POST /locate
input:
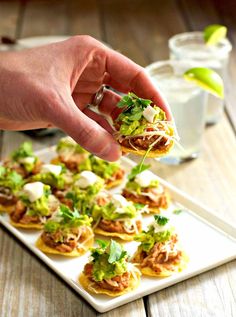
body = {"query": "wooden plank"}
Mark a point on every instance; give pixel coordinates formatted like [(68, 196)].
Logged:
[(140, 29), (198, 15), (44, 17), (226, 12), (29, 288), (118, 32), (84, 18), (9, 14), (209, 294), (61, 18), (134, 309)]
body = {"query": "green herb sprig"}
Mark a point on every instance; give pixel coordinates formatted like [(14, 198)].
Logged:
[(134, 107), (133, 100), (68, 214), (161, 220), (112, 248), (137, 170), (116, 252)]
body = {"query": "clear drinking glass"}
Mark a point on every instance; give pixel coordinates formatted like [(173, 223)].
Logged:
[(191, 46), (188, 106)]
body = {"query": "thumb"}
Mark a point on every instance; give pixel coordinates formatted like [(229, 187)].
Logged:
[(85, 131)]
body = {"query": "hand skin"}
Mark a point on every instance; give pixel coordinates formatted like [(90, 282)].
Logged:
[(52, 85)]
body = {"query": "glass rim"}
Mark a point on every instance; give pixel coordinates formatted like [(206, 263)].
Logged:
[(225, 47)]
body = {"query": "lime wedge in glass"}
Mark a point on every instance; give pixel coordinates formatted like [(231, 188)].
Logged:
[(214, 33), (207, 79)]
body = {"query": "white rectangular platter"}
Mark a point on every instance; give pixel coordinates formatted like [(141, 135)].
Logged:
[(208, 240)]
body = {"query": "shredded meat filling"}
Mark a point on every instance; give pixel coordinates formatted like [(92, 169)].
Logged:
[(19, 215), (102, 200), (143, 143), (6, 197), (18, 212), (73, 161), (158, 200), (159, 258), (115, 284), (118, 226), (118, 175), (19, 168), (61, 197), (64, 243)]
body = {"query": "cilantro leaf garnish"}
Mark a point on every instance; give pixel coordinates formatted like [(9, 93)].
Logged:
[(96, 253), (109, 260), (139, 206), (102, 243), (112, 249), (125, 101), (132, 100), (133, 108), (131, 118), (161, 220), (116, 252), (67, 219), (137, 170), (68, 214)]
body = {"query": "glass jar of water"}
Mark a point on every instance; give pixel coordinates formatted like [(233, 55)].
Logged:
[(191, 46), (188, 105)]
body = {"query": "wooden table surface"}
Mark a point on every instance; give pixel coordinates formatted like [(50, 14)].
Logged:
[(139, 29)]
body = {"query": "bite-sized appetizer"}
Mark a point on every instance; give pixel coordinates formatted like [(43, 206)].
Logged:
[(57, 176), (81, 195), (111, 172), (67, 233), (159, 253), (109, 271), (34, 206), (24, 161), (114, 216), (10, 183), (70, 153), (142, 128), (143, 188)]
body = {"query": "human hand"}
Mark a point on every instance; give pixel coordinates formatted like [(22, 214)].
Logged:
[(53, 84)]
